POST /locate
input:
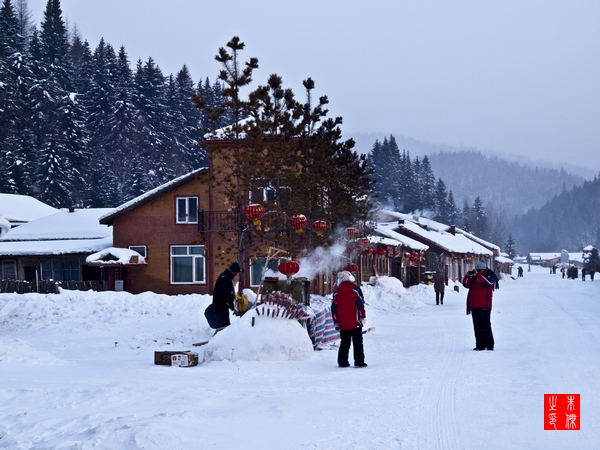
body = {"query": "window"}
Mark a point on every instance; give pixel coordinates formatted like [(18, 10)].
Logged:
[(270, 195), (257, 266), (61, 271), (188, 264), (187, 209), (9, 270), (141, 249)]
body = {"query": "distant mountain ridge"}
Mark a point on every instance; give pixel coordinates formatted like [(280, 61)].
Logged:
[(512, 187), (365, 141)]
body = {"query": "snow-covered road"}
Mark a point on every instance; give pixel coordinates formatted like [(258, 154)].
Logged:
[(77, 372)]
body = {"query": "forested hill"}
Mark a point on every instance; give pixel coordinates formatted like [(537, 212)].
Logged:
[(509, 186), (571, 221)]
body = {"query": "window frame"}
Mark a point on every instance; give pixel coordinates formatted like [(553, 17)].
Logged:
[(191, 217), (145, 252), (13, 264), (196, 258), (273, 264)]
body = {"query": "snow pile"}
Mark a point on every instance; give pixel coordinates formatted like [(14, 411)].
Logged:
[(388, 293), (260, 338)]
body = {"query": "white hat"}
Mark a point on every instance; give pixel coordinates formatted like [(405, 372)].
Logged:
[(344, 276)]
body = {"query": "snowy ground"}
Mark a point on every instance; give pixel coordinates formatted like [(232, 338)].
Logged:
[(77, 372)]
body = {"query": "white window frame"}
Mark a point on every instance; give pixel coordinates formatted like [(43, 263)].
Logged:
[(193, 252), (190, 213)]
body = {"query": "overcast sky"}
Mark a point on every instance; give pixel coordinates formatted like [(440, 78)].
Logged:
[(511, 76)]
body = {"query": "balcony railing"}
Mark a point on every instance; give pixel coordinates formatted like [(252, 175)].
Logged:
[(227, 221)]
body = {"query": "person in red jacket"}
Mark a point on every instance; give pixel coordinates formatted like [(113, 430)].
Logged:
[(481, 283), (348, 312)]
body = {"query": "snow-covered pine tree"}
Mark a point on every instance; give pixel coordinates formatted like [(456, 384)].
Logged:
[(441, 201), (375, 160), (11, 103), (466, 217), (453, 210), (59, 117), (510, 247), (592, 260), (150, 140), (480, 223), (428, 186), (409, 185)]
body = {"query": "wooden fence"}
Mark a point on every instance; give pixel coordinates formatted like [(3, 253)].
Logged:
[(50, 287)]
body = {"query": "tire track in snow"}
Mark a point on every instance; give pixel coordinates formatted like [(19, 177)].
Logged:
[(438, 402)]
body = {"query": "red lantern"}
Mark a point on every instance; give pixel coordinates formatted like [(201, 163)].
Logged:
[(298, 222), (364, 242), (319, 227), (351, 268), (255, 212), (381, 251), (288, 268), (351, 233)]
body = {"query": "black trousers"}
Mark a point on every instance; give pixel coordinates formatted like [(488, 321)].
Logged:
[(355, 336), (484, 339), (439, 297)]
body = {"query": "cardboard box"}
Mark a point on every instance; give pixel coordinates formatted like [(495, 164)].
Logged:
[(183, 358)]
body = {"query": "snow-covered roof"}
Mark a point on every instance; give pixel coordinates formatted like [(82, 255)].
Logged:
[(63, 232), (4, 226), (18, 209), (440, 227), (454, 243), (116, 256), (478, 239), (225, 132), (58, 247), (503, 260), (544, 256), (387, 229), (147, 196)]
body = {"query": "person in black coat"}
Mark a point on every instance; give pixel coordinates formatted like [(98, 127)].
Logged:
[(224, 296)]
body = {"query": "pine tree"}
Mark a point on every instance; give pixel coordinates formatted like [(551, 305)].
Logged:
[(466, 217), (286, 146), (384, 160), (454, 213), (407, 185), (479, 224), (511, 248), (592, 260), (150, 140), (11, 104), (441, 201), (236, 177), (58, 114), (55, 44), (428, 186)]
